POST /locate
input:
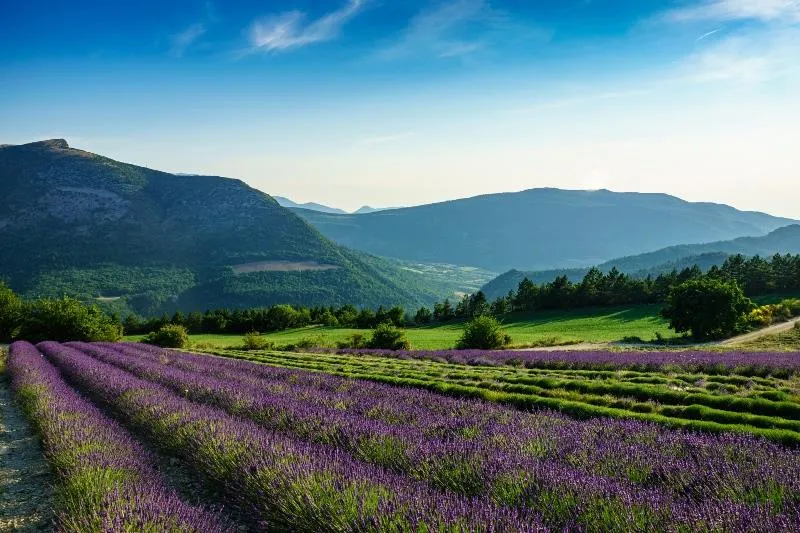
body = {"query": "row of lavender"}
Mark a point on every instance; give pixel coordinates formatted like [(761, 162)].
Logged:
[(785, 363), (107, 480), (282, 482), (620, 474)]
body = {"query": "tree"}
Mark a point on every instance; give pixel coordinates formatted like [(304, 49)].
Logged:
[(707, 308), (478, 305), (423, 316), (347, 316), (66, 319), (397, 316), (194, 322), (442, 312), (527, 293), (483, 333), (328, 319), (388, 337), (499, 306), (131, 325), (10, 313), (365, 319)]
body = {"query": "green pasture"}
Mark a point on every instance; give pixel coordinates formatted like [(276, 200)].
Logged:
[(548, 328)]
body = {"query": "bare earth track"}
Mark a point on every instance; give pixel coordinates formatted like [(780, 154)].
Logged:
[(26, 489), (755, 335)]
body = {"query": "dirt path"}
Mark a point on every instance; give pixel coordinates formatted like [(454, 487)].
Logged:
[(755, 335), (26, 489)]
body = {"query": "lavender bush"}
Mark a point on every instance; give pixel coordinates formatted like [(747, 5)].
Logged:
[(622, 474), (107, 480)]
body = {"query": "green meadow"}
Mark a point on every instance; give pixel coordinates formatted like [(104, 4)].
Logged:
[(540, 328)]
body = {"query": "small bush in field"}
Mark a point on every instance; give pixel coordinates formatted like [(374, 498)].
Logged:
[(255, 341), (483, 333), (355, 341), (169, 336), (388, 337)]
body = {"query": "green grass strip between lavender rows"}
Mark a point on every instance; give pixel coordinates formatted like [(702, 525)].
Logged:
[(753, 411), (573, 408)]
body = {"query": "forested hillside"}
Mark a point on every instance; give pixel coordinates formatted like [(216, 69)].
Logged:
[(135, 238), (785, 240)]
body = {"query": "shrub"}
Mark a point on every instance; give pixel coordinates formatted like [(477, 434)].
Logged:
[(761, 316), (356, 341), (255, 341), (793, 306), (388, 337), (10, 313), (306, 343), (483, 333), (169, 336), (66, 319)]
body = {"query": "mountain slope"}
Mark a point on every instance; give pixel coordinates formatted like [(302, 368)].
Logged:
[(87, 225), (784, 240), (313, 206), (539, 228)]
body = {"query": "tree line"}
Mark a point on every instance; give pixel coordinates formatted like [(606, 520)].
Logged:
[(755, 275), (269, 319)]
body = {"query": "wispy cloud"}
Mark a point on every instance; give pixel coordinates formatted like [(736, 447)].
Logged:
[(736, 10), (183, 40), (456, 28), (292, 29), (745, 58), (382, 139), (708, 34)]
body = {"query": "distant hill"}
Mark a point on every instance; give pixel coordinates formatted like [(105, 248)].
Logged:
[(364, 209), (135, 238), (313, 206), (782, 240), (539, 228)]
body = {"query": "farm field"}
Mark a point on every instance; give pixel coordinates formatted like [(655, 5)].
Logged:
[(555, 327), (299, 450), (678, 389)]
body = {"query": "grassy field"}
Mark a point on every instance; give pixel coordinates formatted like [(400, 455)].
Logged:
[(767, 405), (553, 327)]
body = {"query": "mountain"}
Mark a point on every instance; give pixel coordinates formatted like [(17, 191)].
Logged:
[(135, 238), (364, 209), (539, 228), (785, 240), (285, 202)]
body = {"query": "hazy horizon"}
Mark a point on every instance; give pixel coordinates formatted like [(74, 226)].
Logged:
[(363, 102)]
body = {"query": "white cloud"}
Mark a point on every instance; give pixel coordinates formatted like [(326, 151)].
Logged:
[(183, 40), (292, 29), (457, 28), (787, 11)]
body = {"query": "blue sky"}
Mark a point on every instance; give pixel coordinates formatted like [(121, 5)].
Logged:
[(388, 102)]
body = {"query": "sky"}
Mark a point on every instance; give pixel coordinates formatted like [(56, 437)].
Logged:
[(405, 102)]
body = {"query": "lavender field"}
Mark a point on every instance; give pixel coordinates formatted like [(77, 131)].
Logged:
[(294, 449), (753, 393)]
